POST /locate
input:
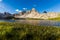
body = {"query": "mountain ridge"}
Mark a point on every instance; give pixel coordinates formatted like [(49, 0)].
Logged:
[(34, 14)]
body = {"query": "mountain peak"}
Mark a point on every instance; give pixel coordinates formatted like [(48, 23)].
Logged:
[(33, 9)]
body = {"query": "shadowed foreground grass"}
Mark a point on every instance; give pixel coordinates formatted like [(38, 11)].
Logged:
[(17, 31)]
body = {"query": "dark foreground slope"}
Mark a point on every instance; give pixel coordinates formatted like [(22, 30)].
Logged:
[(17, 31)]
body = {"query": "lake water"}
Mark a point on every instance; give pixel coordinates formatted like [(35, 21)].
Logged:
[(40, 22), (3, 20), (36, 22)]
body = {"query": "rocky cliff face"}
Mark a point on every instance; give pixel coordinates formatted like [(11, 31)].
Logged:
[(34, 14), (5, 15)]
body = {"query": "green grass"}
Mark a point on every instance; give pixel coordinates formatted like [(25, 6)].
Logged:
[(18, 31), (57, 19)]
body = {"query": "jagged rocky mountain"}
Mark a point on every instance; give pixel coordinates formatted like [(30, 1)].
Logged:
[(34, 14), (29, 14), (6, 15)]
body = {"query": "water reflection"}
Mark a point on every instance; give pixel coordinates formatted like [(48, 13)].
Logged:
[(40, 22), (5, 20), (36, 22), (32, 22)]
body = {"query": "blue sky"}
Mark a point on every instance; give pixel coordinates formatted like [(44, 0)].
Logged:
[(14, 6)]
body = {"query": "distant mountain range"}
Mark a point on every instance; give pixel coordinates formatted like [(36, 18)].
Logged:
[(34, 14), (6, 15), (30, 14)]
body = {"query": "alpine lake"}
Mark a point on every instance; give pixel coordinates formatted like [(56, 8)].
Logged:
[(34, 22)]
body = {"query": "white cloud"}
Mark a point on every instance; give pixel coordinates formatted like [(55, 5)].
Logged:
[(17, 10), (24, 8), (1, 0), (20, 10)]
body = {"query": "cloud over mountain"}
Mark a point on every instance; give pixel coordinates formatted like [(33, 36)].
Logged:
[(17, 10)]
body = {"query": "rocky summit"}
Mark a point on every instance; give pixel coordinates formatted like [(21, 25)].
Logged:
[(34, 14)]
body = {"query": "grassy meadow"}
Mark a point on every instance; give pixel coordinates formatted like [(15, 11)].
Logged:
[(18, 31), (56, 19)]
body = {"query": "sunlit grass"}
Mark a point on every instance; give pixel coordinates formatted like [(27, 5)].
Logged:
[(56, 19)]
